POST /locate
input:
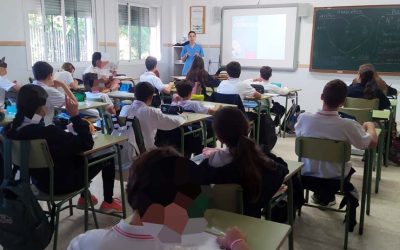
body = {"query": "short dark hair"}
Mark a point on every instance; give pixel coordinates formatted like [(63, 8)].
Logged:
[(95, 57), (184, 88), (192, 32), (143, 91), (234, 69), (266, 72), (160, 176), (67, 66), (334, 93), (88, 80), (3, 63), (151, 62), (41, 70)]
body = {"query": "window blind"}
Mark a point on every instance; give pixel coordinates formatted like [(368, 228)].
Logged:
[(52, 7), (123, 14), (83, 8), (140, 16)]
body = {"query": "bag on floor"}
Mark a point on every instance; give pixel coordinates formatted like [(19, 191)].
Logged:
[(23, 223), (291, 118), (268, 136)]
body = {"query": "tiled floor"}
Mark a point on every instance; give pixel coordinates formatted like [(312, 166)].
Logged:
[(315, 229)]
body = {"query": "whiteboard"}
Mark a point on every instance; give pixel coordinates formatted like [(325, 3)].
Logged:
[(260, 35)]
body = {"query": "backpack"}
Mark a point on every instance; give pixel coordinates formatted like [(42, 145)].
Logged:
[(291, 118), (23, 223), (267, 132)]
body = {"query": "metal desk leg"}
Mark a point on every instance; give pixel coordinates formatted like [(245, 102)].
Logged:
[(121, 180), (290, 211), (284, 117), (86, 177), (388, 138), (379, 162), (258, 122), (364, 191), (371, 160), (182, 140)]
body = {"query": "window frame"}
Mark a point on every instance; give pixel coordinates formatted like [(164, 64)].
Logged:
[(158, 30), (77, 64)]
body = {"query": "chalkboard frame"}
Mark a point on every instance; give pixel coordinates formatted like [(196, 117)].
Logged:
[(316, 9)]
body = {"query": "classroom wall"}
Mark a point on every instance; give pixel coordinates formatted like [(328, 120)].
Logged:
[(311, 83)]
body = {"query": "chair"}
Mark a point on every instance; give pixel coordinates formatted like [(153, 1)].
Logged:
[(259, 88), (227, 197), (339, 152), (361, 115), (138, 135), (361, 103), (35, 154)]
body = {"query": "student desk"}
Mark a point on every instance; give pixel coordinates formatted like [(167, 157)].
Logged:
[(126, 78), (123, 95), (178, 78), (212, 105), (190, 119), (293, 94), (101, 142), (261, 234), (386, 116), (259, 105), (100, 106)]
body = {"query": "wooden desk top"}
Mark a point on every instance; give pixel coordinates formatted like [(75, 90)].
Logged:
[(381, 114), (178, 77), (263, 97), (126, 78), (213, 104), (292, 90), (121, 95), (294, 167), (261, 234), (91, 105), (193, 117), (102, 141)]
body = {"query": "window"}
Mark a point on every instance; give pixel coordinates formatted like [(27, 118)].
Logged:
[(138, 32), (61, 30)]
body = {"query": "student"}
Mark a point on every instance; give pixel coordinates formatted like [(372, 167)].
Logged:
[(386, 89), (65, 147), (263, 80), (5, 84), (150, 118), (43, 73), (184, 89), (190, 51), (105, 79), (66, 76), (368, 89), (198, 74), (150, 76), (234, 85), (241, 161), (92, 93), (320, 176), (153, 182)]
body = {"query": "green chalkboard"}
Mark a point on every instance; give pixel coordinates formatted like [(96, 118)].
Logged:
[(346, 37)]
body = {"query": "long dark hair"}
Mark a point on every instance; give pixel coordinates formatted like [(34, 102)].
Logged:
[(30, 98), (232, 128), (367, 80), (197, 73)]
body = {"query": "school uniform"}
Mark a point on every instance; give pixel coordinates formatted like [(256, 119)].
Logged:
[(188, 49), (5, 85), (357, 91), (55, 99), (150, 120), (96, 70), (151, 78), (270, 88), (65, 77), (193, 106), (236, 86)]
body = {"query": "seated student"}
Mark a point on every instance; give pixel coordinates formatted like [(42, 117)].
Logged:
[(322, 177), (92, 92), (65, 147), (234, 85), (105, 81), (66, 75), (5, 84), (263, 80), (153, 182), (242, 161), (386, 89), (198, 74), (151, 77), (184, 89), (150, 118), (43, 73), (368, 88)]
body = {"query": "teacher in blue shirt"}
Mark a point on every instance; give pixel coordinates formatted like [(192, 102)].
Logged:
[(190, 51)]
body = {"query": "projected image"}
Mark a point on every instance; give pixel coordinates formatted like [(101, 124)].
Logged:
[(259, 37)]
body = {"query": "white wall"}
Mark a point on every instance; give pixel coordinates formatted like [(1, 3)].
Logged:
[(311, 83)]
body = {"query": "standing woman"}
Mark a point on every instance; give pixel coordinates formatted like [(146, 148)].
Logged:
[(190, 51)]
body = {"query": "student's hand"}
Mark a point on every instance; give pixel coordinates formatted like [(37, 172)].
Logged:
[(368, 125), (232, 235), (71, 106), (15, 82), (176, 98)]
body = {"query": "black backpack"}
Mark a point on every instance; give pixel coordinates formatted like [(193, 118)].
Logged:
[(291, 118), (23, 223), (268, 136)]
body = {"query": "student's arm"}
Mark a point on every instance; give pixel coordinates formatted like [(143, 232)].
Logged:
[(165, 122), (233, 239), (67, 91), (16, 87), (257, 95), (370, 129), (212, 82), (184, 54), (166, 88)]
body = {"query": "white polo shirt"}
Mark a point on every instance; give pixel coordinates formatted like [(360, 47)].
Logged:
[(96, 70), (65, 77), (236, 86), (5, 85), (55, 99), (270, 88), (329, 125), (190, 105), (151, 78), (150, 120)]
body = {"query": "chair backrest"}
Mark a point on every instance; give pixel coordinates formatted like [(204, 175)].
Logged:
[(259, 88), (361, 115), (228, 99), (361, 103), (32, 154), (108, 123), (324, 150), (138, 135), (227, 197)]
